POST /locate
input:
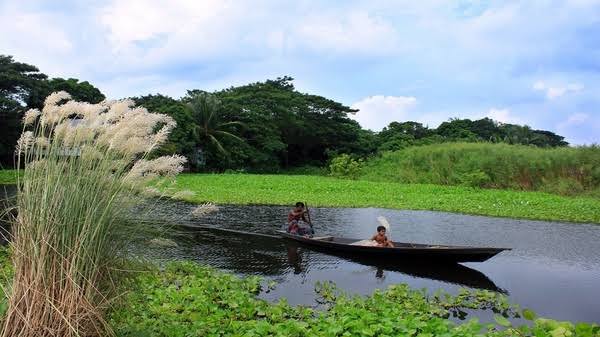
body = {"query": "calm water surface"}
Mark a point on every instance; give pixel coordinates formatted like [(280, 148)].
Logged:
[(554, 268)]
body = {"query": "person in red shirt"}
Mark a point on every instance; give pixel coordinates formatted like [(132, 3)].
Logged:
[(297, 219)]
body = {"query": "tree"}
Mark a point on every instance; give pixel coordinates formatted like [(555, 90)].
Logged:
[(210, 128), (80, 91), (19, 84), (287, 128)]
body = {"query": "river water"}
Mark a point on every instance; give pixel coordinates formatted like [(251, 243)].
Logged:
[(553, 268)]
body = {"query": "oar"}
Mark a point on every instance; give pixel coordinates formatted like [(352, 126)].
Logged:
[(309, 221)]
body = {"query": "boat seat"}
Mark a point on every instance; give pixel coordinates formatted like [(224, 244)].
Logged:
[(323, 238)]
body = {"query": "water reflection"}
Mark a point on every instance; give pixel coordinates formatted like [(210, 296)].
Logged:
[(450, 273)]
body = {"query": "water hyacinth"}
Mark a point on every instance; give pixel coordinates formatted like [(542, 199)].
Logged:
[(82, 166)]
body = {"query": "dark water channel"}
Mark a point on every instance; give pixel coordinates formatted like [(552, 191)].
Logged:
[(553, 268)]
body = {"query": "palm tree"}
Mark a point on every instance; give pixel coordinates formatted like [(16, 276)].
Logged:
[(209, 127)]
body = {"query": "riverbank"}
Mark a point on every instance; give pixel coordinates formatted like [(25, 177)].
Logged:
[(331, 192)]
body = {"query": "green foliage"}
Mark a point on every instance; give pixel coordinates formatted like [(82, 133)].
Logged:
[(80, 91), (186, 299), (286, 128), (189, 300), (20, 83), (344, 166), (326, 191), (8, 177), (6, 274), (488, 130), (400, 135), (563, 170), (306, 170), (210, 129)]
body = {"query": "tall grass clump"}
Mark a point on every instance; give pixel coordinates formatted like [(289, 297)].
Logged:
[(81, 163), (563, 170)]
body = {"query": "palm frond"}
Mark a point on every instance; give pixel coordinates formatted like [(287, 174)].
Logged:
[(232, 123), (227, 134), (217, 143)]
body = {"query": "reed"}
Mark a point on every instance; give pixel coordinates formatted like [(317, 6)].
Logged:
[(564, 170), (82, 164)]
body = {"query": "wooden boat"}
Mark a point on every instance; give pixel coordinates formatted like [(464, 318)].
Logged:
[(402, 250), (454, 273)]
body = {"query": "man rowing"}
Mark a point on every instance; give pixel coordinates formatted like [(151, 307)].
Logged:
[(297, 222)]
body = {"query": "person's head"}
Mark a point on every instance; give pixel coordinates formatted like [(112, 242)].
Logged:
[(299, 206), (381, 230)]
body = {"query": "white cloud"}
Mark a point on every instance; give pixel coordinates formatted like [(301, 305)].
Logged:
[(503, 116), (553, 92), (376, 112), (356, 31), (34, 37), (580, 128), (157, 32), (577, 118)]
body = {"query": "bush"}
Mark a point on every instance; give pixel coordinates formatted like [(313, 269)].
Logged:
[(344, 166)]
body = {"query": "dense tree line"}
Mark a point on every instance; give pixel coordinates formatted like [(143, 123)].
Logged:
[(260, 127), (399, 135)]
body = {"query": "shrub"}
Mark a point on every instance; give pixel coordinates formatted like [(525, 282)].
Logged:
[(344, 166)]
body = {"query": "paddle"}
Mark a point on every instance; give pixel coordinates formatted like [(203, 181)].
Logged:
[(309, 221)]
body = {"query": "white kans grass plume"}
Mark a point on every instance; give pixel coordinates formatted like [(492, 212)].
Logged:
[(152, 191), (82, 166), (204, 209), (54, 98), (31, 116), (25, 142), (160, 167), (185, 194)]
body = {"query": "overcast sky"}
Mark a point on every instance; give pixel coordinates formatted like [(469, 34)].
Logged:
[(530, 62)]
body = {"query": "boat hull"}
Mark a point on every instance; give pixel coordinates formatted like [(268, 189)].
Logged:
[(401, 251)]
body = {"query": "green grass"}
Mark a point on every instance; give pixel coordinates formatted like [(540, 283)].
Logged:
[(8, 177), (332, 192)]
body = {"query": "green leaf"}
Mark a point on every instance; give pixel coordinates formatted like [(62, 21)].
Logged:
[(529, 315), (502, 321)]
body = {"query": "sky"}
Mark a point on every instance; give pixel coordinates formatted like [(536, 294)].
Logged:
[(529, 62)]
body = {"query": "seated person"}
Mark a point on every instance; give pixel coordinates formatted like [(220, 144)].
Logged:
[(381, 238), (297, 223)]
